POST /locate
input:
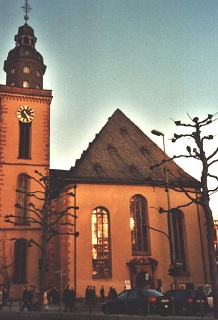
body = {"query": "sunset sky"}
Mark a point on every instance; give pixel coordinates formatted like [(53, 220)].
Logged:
[(155, 60)]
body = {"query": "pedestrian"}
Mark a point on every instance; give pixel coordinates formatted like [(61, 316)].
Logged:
[(112, 294), (90, 294), (67, 297), (45, 300), (72, 300), (31, 298), (26, 299), (102, 296), (1, 298), (87, 295), (35, 298), (4, 296), (54, 296), (93, 295)]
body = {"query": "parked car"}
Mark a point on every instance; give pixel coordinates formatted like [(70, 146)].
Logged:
[(136, 301), (210, 300), (187, 302)]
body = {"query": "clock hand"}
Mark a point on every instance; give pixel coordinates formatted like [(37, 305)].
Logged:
[(27, 116)]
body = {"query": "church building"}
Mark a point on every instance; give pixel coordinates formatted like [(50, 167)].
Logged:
[(123, 240)]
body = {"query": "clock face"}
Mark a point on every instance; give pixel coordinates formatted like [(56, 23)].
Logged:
[(25, 114)]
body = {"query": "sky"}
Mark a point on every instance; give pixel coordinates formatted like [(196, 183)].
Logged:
[(155, 60)]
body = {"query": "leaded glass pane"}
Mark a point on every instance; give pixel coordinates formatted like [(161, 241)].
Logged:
[(101, 255)]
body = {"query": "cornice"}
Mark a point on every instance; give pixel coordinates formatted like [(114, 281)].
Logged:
[(16, 93), (20, 97)]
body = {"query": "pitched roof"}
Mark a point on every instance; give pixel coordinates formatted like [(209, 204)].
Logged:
[(122, 153)]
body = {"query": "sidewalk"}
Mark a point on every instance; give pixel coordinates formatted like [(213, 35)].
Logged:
[(83, 312), (81, 307)]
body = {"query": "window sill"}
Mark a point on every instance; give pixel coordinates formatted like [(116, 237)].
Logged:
[(98, 276)]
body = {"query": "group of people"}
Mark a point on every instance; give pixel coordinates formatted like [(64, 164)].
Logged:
[(91, 297), (112, 294), (69, 298), (52, 296), (30, 298)]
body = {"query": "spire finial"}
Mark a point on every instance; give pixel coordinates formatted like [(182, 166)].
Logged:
[(26, 8)]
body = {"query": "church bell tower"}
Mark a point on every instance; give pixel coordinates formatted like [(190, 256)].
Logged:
[(25, 144)]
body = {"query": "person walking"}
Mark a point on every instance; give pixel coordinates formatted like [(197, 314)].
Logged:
[(67, 298), (72, 300), (87, 295), (102, 295), (45, 300), (26, 299), (93, 296), (35, 298)]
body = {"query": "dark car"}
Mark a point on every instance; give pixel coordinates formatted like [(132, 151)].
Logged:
[(136, 301), (187, 302)]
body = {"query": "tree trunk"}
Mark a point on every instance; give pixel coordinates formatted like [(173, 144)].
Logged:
[(212, 256), (42, 280)]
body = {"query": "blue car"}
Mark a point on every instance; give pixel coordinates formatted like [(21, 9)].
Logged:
[(136, 301)]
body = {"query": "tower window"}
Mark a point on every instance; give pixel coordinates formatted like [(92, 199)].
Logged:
[(26, 40), (22, 198), (26, 84), (38, 73), (12, 84), (20, 257), (12, 70), (26, 69), (37, 86), (24, 143)]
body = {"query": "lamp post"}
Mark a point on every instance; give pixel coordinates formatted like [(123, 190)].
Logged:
[(169, 213), (75, 236)]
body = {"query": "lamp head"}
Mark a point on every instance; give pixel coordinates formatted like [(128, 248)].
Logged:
[(157, 133)]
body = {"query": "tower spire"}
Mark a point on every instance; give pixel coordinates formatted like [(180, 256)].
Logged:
[(26, 8)]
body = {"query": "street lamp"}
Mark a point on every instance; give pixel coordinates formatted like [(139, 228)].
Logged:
[(169, 213)]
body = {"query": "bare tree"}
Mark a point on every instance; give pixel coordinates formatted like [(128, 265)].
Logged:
[(197, 151), (6, 264), (39, 212)]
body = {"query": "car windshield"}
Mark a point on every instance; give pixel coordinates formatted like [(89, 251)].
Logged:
[(151, 293), (122, 296)]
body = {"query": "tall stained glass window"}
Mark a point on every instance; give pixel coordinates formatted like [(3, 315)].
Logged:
[(101, 249), (138, 221)]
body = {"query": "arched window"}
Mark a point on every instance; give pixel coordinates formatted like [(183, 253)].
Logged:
[(22, 198), (138, 221), (179, 239), (26, 69), (20, 261), (26, 40), (101, 249), (26, 84)]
